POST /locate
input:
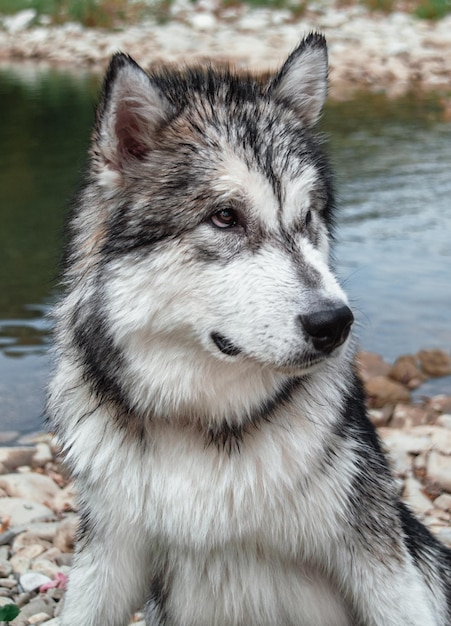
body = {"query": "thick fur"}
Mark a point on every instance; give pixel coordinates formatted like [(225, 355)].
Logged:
[(228, 474)]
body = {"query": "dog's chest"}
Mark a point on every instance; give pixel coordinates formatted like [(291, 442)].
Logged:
[(270, 491)]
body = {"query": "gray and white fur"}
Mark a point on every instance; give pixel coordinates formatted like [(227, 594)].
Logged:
[(204, 394)]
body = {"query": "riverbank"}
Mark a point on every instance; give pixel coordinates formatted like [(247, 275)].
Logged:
[(38, 513), (395, 53)]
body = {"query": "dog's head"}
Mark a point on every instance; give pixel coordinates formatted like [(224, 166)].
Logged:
[(208, 214)]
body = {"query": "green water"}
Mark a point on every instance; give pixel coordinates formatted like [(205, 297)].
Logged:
[(393, 253)]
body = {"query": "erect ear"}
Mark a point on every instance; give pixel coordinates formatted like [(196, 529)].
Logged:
[(130, 111), (302, 81)]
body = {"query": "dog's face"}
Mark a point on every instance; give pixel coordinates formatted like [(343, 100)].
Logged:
[(215, 214)]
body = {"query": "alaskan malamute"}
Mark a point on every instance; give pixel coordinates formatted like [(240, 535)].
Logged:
[(204, 393)]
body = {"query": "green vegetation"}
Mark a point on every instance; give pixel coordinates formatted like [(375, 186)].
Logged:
[(108, 13), (8, 612), (89, 12)]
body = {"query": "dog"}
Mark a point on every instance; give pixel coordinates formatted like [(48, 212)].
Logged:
[(204, 393)]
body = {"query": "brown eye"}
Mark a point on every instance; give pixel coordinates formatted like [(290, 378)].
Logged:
[(226, 218)]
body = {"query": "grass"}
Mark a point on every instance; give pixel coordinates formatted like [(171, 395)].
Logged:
[(107, 13)]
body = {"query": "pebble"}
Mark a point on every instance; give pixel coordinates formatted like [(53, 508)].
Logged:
[(33, 580)]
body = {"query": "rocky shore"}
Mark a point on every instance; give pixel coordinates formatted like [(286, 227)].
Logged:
[(394, 53), (38, 512)]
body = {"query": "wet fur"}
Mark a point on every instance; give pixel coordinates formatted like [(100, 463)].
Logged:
[(234, 481)]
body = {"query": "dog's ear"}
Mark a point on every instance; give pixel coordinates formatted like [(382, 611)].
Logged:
[(130, 112), (302, 81)]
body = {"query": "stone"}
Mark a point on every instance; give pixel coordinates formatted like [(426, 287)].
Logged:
[(203, 21), (32, 551), (12, 458), (31, 486), (64, 500), (5, 568), (19, 21), (45, 567), (443, 502), (370, 365), (44, 530), (445, 421), (405, 370), (408, 415), (42, 455), (380, 417), (441, 403), (5, 601), (435, 362), (439, 470), (415, 498), (40, 604), (23, 511), (31, 581), (65, 536), (20, 564), (39, 618), (381, 391)]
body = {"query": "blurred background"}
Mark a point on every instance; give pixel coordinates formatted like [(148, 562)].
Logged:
[(387, 123)]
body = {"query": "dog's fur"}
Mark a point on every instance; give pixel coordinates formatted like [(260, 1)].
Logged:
[(204, 393)]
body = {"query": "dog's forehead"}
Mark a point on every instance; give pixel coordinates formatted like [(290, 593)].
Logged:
[(277, 193)]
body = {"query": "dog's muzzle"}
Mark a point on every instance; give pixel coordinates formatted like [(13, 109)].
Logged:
[(327, 328)]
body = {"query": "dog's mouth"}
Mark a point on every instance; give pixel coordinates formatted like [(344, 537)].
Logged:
[(298, 367), (225, 345)]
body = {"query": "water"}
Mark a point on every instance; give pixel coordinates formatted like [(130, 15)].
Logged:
[(392, 162)]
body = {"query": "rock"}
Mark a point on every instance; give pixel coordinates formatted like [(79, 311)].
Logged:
[(445, 421), (39, 618), (370, 365), (40, 604), (443, 502), (65, 536), (33, 580), (44, 530), (408, 415), (380, 417), (32, 551), (441, 403), (23, 511), (12, 458), (406, 371), (5, 568), (45, 567), (20, 564), (31, 486), (19, 21), (439, 470), (203, 21), (5, 601), (435, 362), (414, 496), (42, 455), (64, 500), (381, 391)]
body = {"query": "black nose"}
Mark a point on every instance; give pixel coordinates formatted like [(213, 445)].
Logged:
[(328, 328)]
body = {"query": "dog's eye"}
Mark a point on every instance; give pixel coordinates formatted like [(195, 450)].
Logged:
[(226, 218), (308, 218)]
